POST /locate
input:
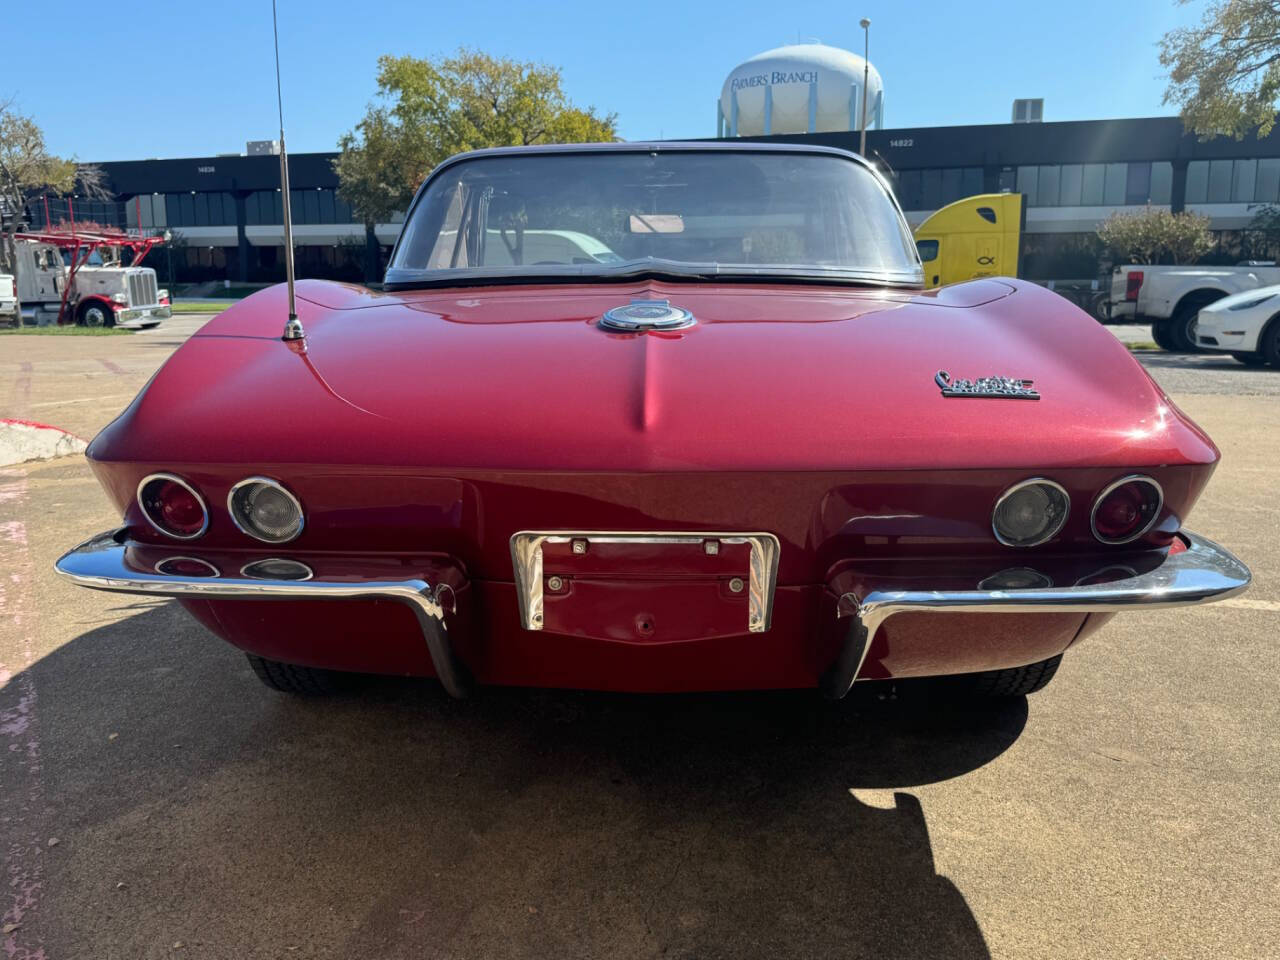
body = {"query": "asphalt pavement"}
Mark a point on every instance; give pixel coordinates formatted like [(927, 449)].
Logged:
[(157, 801)]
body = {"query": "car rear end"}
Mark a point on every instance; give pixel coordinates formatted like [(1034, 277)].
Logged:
[(654, 520), (1126, 285)]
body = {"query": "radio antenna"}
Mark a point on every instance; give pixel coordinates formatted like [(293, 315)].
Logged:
[(293, 326)]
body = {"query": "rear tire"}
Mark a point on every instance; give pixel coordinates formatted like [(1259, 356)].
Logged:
[(1011, 682), (292, 678), (1162, 335)]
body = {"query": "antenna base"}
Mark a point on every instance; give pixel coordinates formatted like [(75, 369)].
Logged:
[(293, 330)]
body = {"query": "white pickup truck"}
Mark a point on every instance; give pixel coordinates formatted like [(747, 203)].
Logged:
[(8, 301), (1169, 298)]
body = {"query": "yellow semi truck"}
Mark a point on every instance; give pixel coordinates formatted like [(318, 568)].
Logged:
[(979, 236)]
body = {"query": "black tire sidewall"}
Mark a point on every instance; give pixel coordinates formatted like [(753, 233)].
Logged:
[(1269, 344), (1182, 326)]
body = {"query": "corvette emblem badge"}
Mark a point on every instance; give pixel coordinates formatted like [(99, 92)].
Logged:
[(999, 388)]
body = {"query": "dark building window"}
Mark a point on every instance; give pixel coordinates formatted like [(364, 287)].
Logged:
[(1244, 178), (1093, 178), (1137, 188), (1096, 184), (924, 189), (1162, 182), (1220, 181), (908, 189), (930, 189), (1233, 181), (1050, 180), (263, 208), (214, 209), (1028, 183), (1266, 186), (1072, 182)]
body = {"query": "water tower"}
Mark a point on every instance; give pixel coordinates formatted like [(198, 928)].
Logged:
[(802, 88)]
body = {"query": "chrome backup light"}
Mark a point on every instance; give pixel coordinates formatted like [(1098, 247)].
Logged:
[(1126, 509), (265, 510), (172, 506), (186, 567), (276, 568), (1030, 512), (1016, 578)]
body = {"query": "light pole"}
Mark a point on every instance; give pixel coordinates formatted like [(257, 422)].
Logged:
[(866, 72)]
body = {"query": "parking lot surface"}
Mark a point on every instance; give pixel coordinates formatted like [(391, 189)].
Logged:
[(157, 801)]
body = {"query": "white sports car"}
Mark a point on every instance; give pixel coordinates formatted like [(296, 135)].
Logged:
[(1245, 325)]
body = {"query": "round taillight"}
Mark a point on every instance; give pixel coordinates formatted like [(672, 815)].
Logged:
[(276, 568), (265, 510), (172, 506), (1127, 509), (186, 567), (1030, 512)]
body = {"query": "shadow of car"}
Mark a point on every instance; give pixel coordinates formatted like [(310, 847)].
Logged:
[(397, 821)]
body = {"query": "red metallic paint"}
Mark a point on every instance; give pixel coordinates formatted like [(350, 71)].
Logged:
[(426, 427)]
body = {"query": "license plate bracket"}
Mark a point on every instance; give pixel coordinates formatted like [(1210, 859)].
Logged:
[(645, 557)]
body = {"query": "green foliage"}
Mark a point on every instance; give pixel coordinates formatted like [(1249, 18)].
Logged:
[(430, 109), (1152, 235), (1224, 73), (28, 168), (1267, 222), (1260, 240)]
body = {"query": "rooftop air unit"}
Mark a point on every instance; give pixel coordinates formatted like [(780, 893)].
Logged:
[(1028, 111)]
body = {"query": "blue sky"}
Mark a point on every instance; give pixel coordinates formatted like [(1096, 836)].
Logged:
[(203, 80)]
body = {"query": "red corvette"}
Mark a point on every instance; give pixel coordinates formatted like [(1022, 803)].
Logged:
[(656, 418)]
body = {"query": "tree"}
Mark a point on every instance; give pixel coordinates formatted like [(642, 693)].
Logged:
[(431, 109), (1224, 73), (1263, 233), (28, 168), (1153, 235)]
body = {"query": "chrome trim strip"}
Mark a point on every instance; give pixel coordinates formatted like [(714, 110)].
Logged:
[(762, 574), (174, 478), (231, 509), (99, 564), (1203, 573), (1014, 489), (1132, 478)]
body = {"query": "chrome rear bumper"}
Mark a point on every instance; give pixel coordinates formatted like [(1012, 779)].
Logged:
[(100, 564), (1202, 573)]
